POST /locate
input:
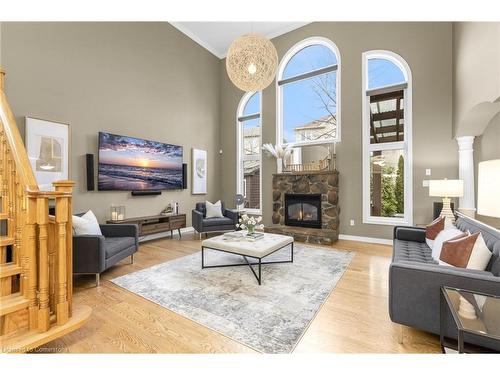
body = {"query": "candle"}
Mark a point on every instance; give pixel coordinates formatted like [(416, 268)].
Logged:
[(114, 215), (120, 217)]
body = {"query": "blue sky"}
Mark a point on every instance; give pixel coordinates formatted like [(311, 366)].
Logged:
[(302, 104)]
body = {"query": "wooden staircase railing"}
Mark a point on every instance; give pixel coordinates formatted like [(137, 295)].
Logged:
[(35, 249)]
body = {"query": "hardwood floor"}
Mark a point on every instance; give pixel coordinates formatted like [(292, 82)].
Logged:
[(354, 318)]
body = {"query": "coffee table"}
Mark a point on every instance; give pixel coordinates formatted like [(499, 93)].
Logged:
[(256, 249)]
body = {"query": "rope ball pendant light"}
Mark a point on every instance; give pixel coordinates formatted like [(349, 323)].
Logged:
[(251, 62)]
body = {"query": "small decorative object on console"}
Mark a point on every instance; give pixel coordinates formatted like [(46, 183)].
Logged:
[(250, 223), (117, 212), (167, 210)]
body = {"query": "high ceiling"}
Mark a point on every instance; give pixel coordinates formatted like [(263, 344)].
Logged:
[(217, 36)]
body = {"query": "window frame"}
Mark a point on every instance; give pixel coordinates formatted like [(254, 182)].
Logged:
[(240, 119), (280, 83), (405, 145)]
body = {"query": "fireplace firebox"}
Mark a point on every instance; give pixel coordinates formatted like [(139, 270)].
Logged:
[(303, 210)]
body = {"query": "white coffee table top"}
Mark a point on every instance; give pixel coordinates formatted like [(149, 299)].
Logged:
[(254, 248)]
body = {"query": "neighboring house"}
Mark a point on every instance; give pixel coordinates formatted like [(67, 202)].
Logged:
[(323, 128), (317, 130)]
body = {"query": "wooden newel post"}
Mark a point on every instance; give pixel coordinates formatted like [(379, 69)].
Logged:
[(42, 219), (64, 243)]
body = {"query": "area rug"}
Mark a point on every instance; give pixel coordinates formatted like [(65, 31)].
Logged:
[(270, 318)]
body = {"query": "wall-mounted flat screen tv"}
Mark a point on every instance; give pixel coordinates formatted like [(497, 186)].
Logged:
[(127, 163)]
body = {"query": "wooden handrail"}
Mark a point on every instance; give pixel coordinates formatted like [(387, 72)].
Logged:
[(19, 155)]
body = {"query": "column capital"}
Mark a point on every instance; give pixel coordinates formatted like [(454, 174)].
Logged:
[(465, 142)]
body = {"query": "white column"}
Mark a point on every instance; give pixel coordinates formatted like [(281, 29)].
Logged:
[(466, 173)]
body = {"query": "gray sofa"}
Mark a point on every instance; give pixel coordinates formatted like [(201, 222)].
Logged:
[(94, 254), (202, 224), (415, 279)]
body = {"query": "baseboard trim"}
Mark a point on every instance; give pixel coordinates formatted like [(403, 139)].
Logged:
[(381, 241), (156, 236), (346, 237)]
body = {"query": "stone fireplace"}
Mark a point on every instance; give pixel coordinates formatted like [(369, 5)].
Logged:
[(298, 197)]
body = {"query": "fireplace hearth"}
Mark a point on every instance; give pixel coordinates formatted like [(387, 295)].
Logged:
[(303, 210)]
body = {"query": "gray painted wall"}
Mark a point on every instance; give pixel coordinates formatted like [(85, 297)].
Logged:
[(476, 71), (149, 80), (476, 79), (427, 47), (144, 80)]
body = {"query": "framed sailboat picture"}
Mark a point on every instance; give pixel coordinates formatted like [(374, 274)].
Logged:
[(47, 145)]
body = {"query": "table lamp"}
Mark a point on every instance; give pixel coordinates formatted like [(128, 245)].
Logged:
[(446, 189), (488, 195)]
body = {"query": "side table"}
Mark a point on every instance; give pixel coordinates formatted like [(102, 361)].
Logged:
[(475, 314)]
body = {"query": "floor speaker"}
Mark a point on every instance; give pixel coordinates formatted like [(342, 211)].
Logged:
[(90, 171), (184, 176)]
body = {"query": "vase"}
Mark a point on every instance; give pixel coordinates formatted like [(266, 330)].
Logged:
[(279, 165), (250, 229)]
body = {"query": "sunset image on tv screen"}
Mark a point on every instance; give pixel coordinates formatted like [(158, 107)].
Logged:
[(127, 163)]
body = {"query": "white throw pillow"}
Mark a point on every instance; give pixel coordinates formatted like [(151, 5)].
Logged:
[(213, 209), (480, 255), (444, 235), (86, 224)]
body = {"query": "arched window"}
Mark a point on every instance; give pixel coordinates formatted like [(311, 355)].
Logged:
[(387, 133), (249, 182), (308, 94)]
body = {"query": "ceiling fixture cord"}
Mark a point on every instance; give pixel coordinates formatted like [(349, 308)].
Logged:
[(251, 62)]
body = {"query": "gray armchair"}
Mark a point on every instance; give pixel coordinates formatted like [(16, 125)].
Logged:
[(217, 224), (93, 254)]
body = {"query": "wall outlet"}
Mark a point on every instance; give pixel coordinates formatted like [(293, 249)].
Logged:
[(352, 222), (425, 183), (427, 172)]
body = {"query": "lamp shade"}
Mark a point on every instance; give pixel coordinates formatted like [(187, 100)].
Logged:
[(446, 188), (488, 195)]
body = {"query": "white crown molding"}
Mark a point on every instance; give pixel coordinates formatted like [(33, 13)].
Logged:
[(222, 54), (292, 26), (279, 32), (191, 35)]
